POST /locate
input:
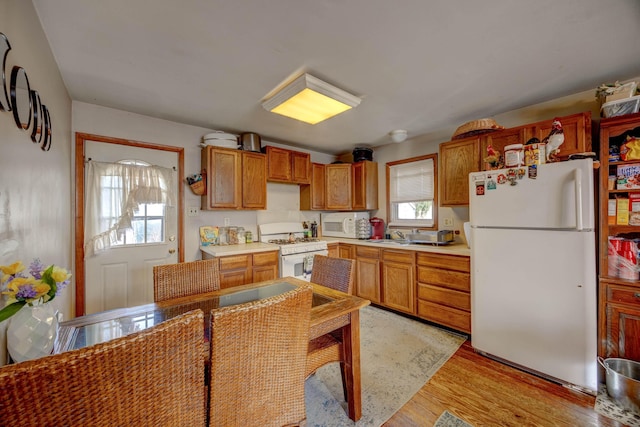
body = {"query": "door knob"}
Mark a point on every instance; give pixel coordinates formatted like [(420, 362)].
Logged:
[(172, 251), (172, 238)]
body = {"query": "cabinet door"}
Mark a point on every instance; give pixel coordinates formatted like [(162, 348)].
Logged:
[(347, 251), (312, 196), (399, 286), (501, 139), (368, 279), (338, 186), (254, 180), (623, 331), (301, 165), (333, 250), (457, 160), (278, 164), (577, 133), (223, 169), (364, 183)]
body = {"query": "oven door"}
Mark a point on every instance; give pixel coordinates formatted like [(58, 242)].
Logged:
[(299, 265)]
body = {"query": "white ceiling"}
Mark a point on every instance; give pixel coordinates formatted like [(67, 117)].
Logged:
[(419, 65)]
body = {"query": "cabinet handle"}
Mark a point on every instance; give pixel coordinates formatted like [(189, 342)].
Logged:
[(636, 295)]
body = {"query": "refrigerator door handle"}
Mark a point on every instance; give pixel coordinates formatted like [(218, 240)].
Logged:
[(578, 187)]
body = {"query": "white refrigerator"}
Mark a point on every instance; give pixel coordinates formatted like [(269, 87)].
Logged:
[(533, 269)]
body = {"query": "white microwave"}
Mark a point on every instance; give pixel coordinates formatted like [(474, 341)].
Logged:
[(341, 224)]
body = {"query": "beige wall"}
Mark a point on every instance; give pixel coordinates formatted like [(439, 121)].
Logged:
[(35, 186)]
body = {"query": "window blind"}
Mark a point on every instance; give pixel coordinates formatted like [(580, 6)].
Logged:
[(410, 182)]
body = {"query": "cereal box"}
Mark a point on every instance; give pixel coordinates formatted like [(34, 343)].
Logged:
[(628, 176)]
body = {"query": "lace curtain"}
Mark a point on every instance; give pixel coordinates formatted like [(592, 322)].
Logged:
[(113, 193)]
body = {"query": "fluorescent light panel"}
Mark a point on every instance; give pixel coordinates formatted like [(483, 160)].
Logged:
[(310, 100)]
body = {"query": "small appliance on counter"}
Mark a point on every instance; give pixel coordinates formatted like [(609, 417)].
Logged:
[(440, 237), (341, 224), (377, 228), (363, 229)]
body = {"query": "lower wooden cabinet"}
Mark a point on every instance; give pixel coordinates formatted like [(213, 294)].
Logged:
[(444, 290), (236, 270), (433, 286), (398, 280), (333, 250), (368, 273), (619, 320)]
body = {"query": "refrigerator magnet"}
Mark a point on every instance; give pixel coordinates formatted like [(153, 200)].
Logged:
[(502, 178), (491, 183), (533, 171), (479, 188), (521, 173)]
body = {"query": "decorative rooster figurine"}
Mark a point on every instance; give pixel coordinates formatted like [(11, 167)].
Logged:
[(493, 157), (554, 140)]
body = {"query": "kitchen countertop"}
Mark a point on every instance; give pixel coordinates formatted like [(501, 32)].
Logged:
[(225, 250), (450, 249), (247, 248)]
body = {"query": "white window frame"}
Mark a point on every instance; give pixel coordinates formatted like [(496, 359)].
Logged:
[(420, 190)]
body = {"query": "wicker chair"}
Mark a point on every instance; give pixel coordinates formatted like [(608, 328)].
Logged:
[(335, 273), (154, 377), (258, 359), (185, 279)]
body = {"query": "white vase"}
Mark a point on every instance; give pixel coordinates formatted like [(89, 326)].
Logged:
[(32, 332)]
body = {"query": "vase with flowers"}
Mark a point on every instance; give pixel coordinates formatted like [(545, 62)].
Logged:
[(33, 326)]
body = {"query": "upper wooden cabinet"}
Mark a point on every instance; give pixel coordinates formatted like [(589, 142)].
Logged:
[(577, 133), (287, 166), (364, 183), (338, 186), (301, 167), (313, 196), (235, 179), (460, 157), (254, 180), (341, 186)]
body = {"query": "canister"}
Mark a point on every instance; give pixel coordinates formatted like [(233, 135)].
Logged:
[(534, 154), (513, 156)]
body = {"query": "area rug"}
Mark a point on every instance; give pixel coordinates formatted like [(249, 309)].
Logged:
[(447, 419), (608, 407), (398, 356)]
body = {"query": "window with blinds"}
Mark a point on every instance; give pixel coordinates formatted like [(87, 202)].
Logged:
[(412, 192)]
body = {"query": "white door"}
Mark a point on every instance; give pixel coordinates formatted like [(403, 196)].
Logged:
[(123, 275)]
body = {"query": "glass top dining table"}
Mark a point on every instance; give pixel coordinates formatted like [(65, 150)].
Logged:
[(331, 310)]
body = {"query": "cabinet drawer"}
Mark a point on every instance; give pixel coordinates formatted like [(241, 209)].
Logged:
[(265, 258), (234, 262), (447, 316), (448, 262), (623, 294), (448, 297), (367, 252), (449, 279), (405, 257)]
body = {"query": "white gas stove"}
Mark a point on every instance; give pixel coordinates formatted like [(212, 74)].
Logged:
[(296, 250)]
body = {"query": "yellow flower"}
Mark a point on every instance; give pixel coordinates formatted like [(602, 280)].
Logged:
[(11, 270), (60, 274), (25, 288)]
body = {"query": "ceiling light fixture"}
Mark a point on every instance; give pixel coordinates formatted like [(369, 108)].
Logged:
[(398, 135), (310, 100)]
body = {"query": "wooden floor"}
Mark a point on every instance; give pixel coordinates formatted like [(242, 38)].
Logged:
[(488, 393)]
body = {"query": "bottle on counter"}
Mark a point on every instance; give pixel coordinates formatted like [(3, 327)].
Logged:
[(248, 237), (314, 229)]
